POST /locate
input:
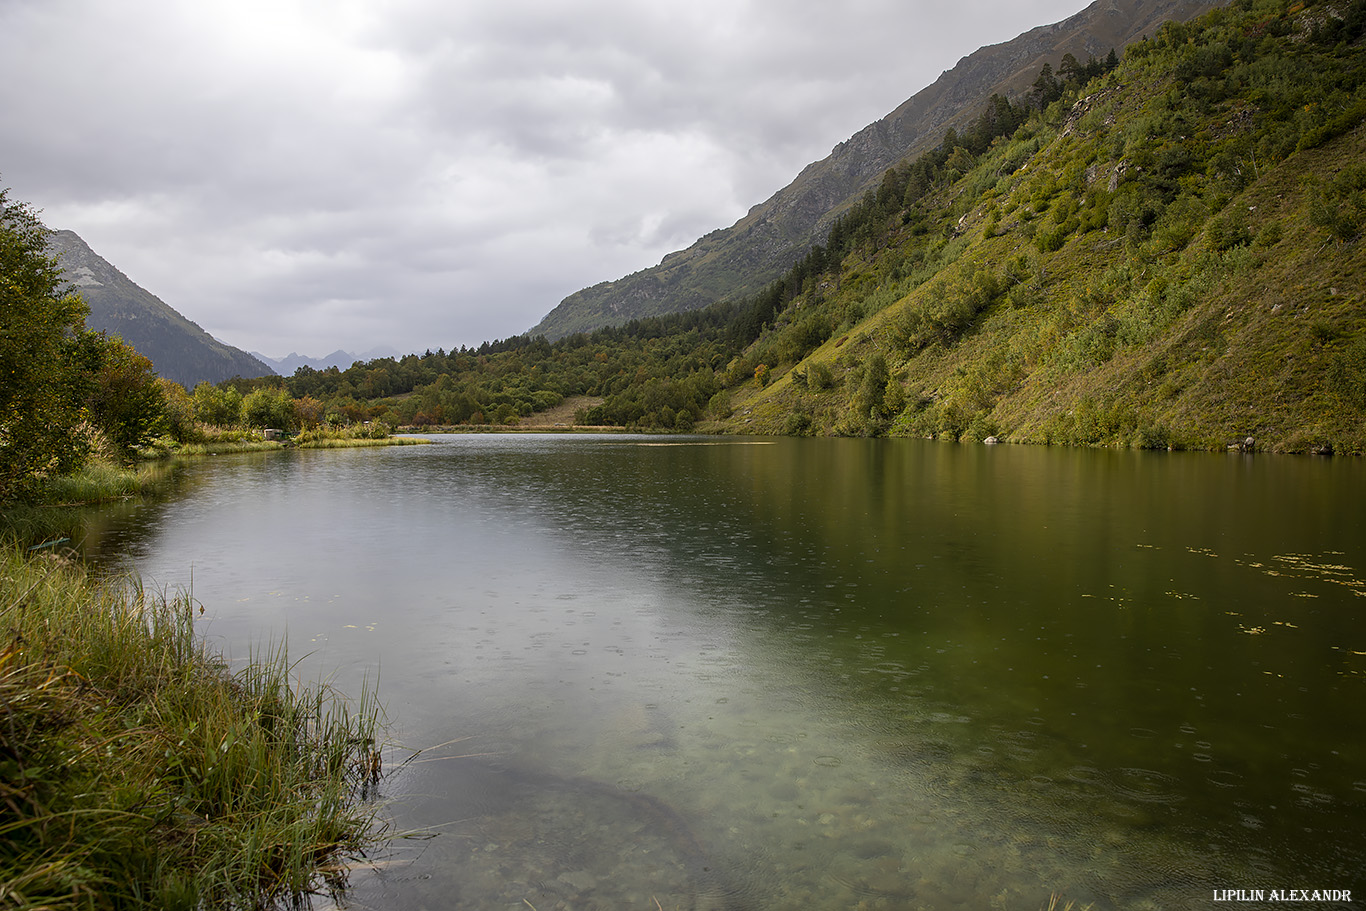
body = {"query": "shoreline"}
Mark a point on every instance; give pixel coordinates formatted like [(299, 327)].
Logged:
[(193, 787)]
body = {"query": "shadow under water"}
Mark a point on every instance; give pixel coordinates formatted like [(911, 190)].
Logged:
[(515, 834)]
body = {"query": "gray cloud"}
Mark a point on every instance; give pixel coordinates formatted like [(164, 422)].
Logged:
[(301, 175)]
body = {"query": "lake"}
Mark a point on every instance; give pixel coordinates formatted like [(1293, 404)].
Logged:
[(732, 673)]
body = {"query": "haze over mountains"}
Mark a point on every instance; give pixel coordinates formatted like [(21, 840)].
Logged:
[(285, 366), (730, 263)]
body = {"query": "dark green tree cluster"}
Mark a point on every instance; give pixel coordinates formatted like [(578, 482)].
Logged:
[(1071, 75), (656, 373)]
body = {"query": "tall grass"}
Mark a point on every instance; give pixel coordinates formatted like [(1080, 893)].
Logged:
[(136, 772), (101, 481), (58, 506)]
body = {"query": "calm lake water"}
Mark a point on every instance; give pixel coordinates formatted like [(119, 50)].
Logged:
[(717, 673)]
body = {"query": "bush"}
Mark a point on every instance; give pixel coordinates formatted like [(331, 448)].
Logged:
[(1340, 207), (820, 377)]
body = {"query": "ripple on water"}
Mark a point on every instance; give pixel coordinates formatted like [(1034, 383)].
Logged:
[(1086, 774), (1146, 785), (948, 718), (1225, 779)]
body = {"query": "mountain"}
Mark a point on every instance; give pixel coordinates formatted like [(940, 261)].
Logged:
[(1170, 256), (178, 348), (340, 359), (732, 262)]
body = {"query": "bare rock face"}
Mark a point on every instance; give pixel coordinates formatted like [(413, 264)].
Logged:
[(178, 348), (742, 259)]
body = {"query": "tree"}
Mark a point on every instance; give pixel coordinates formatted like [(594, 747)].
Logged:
[(117, 388), (37, 317), (1071, 69), (872, 393), (1046, 88), (179, 411), (309, 412), (220, 406), (272, 408)]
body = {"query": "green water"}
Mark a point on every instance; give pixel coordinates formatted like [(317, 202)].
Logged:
[(718, 673)]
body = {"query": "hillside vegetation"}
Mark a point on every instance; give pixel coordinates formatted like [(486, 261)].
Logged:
[(1168, 256), (1162, 250)]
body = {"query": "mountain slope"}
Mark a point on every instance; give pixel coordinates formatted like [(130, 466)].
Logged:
[(178, 348), (1173, 259), (731, 262)]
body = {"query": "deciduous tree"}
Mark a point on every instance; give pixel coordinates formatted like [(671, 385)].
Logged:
[(117, 389), (37, 319)]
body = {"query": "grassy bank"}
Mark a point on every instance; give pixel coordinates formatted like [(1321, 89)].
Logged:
[(136, 772), (57, 508), (208, 440)]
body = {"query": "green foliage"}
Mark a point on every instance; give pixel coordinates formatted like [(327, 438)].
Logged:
[(822, 377), (948, 310), (268, 408), (220, 406), (1227, 231), (118, 389), (1167, 281), (872, 391), (1347, 374), (38, 410), (179, 411)]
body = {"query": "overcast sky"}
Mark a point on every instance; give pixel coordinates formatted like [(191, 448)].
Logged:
[(306, 175)]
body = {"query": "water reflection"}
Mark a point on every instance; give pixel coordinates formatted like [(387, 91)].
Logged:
[(814, 673)]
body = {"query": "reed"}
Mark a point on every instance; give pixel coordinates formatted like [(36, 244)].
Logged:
[(137, 772), (100, 481)]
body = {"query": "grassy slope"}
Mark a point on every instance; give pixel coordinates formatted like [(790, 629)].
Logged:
[(1171, 335)]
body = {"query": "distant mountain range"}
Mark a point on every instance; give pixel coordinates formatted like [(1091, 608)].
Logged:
[(286, 365), (733, 262), (178, 348)]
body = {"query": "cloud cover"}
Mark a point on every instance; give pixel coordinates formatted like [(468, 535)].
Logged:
[(319, 174)]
